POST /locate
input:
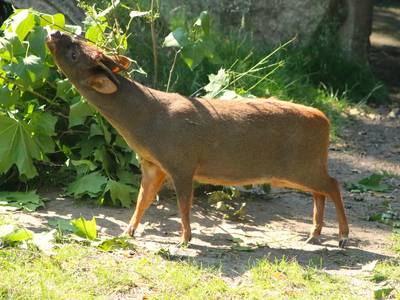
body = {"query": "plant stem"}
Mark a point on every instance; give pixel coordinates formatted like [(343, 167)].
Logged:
[(154, 44), (172, 70)]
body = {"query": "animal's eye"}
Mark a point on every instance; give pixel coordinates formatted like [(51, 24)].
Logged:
[(74, 56)]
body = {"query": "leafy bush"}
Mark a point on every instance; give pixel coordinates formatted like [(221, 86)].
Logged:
[(45, 123), (47, 128)]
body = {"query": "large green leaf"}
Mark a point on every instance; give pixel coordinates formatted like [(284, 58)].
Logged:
[(194, 54), (31, 70), (78, 113), (91, 184), (121, 192), (36, 44), (116, 243), (12, 234), (11, 46), (43, 123), (85, 228), (64, 89), (370, 183), (8, 98), (95, 33), (177, 38), (83, 166), (21, 22), (56, 21), (18, 146), (43, 127), (29, 201)]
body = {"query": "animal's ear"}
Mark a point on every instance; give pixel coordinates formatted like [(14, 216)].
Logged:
[(102, 84), (117, 63), (122, 62)]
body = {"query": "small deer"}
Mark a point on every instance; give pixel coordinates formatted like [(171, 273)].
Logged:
[(236, 142)]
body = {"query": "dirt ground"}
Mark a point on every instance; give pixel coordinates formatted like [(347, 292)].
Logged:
[(279, 223)]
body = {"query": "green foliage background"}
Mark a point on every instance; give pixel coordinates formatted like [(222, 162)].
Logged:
[(50, 136)]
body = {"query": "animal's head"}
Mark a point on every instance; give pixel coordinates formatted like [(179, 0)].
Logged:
[(86, 64)]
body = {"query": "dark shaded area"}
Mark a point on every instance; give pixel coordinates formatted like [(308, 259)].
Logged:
[(5, 11), (385, 45)]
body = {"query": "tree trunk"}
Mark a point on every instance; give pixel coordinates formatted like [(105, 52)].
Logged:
[(355, 31)]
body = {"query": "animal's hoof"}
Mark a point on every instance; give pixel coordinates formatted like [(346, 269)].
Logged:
[(343, 241), (313, 240), (129, 231)]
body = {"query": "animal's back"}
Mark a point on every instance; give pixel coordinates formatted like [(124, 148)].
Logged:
[(252, 140)]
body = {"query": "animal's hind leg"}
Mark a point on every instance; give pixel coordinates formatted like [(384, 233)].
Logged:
[(318, 219), (335, 195), (328, 186)]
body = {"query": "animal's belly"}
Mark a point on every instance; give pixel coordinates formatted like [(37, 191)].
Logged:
[(224, 180)]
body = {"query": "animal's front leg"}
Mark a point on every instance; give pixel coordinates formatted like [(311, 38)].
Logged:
[(152, 180)]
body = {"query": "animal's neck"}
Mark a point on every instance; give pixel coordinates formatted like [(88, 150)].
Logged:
[(129, 110)]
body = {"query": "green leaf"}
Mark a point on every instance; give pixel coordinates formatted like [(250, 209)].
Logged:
[(382, 292), (56, 21), (95, 130), (11, 46), (203, 21), (370, 183), (43, 127), (194, 54), (78, 113), (62, 225), (91, 184), (121, 192), (76, 29), (18, 146), (8, 98), (83, 166), (43, 123), (373, 180), (89, 145), (64, 89), (29, 201), (218, 196), (12, 234), (177, 38), (22, 22), (36, 44), (115, 244), (31, 70), (85, 228), (95, 33)]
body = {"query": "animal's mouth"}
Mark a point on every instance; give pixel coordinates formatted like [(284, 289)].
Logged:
[(51, 40)]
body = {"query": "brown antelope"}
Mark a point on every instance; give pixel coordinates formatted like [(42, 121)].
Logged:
[(236, 142)]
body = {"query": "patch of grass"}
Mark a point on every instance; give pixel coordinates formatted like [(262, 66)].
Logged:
[(286, 279), (387, 273), (396, 242), (77, 271), (81, 272)]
